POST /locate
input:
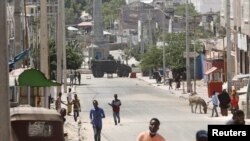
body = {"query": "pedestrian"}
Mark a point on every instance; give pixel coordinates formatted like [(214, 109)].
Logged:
[(75, 76), (63, 114), (69, 100), (71, 77), (152, 134), (115, 104), (96, 115), (76, 107), (177, 81), (201, 135), (224, 99), (79, 77), (234, 101), (215, 102), (170, 80), (58, 102), (237, 119)]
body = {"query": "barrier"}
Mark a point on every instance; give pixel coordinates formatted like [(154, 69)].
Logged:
[(132, 75)]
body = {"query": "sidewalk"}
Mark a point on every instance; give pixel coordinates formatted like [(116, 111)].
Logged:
[(73, 129), (201, 90), (201, 87)]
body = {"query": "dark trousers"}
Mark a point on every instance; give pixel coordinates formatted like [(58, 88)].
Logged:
[(116, 116), (97, 133), (214, 110), (224, 111), (76, 114)]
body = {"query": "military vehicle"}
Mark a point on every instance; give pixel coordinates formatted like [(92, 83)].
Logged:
[(100, 67)]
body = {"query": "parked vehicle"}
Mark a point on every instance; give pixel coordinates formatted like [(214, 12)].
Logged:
[(36, 124), (100, 67)]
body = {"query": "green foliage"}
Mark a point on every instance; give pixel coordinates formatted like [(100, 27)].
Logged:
[(73, 56), (110, 11), (152, 59), (174, 50), (135, 52), (175, 46), (73, 10), (180, 10)]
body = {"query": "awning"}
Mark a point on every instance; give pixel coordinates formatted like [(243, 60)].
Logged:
[(241, 76), (35, 78), (211, 70)]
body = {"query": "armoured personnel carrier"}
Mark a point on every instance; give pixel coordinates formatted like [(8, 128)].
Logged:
[(100, 67)]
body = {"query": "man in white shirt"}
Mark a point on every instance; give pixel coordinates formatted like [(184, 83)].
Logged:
[(69, 100)]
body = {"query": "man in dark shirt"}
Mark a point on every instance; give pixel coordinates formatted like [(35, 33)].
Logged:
[(224, 99), (116, 103)]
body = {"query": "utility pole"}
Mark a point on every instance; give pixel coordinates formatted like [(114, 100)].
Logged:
[(228, 35), (44, 51), (60, 43), (18, 30), (163, 49), (64, 48), (4, 76), (187, 51)]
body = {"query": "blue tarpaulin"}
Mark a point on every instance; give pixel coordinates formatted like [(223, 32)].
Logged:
[(20, 56)]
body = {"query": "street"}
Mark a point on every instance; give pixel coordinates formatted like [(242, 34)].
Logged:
[(140, 103)]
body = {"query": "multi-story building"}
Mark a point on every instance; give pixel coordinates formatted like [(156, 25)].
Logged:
[(240, 35)]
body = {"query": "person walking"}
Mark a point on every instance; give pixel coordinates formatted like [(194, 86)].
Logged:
[(76, 107), (69, 102), (237, 119), (224, 99), (58, 102), (71, 78), (96, 115), (170, 80), (115, 104), (215, 102), (152, 134), (79, 78), (234, 101)]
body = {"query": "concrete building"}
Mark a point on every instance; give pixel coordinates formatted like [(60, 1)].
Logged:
[(240, 39)]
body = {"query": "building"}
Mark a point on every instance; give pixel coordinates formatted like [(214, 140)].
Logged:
[(239, 23)]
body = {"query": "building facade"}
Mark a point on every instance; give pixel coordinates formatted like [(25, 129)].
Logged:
[(240, 34)]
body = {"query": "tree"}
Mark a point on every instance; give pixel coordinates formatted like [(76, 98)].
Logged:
[(73, 10), (74, 57), (152, 59), (109, 10), (181, 10)]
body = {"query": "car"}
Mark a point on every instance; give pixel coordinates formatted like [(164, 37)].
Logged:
[(36, 124)]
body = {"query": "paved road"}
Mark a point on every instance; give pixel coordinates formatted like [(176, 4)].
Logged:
[(140, 102)]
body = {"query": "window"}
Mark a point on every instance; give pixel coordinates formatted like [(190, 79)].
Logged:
[(39, 129), (31, 10)]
